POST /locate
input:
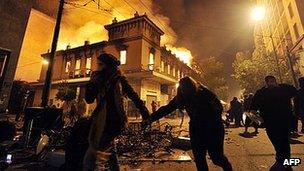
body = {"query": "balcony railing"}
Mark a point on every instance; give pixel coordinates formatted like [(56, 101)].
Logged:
[(80, 73)]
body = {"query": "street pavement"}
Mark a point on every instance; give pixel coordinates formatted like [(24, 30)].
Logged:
[(246, 154)]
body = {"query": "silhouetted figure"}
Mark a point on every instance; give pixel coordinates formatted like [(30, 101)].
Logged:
[(81, 107), (274, 103), (248, 121), (154, 108), (299, 104), (206, 127), (236, 111), (108, 86)]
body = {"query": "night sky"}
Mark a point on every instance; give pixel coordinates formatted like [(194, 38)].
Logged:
[(217, 28)]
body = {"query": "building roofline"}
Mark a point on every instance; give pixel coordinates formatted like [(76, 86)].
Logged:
[(98, 44), (136, 18)]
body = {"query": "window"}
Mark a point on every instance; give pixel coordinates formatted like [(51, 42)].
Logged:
[(173, 70), (88, 65), (290, 10), (123, 57), (67, 66), (77, 67), (3, 62), (78, 92), (168, 69), (178, 74), (162, 66), (296, 31), (151, 61)]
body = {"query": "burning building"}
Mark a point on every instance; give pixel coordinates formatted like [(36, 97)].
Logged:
[(152, 70)]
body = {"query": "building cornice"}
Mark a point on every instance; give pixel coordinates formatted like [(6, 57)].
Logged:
[(132, 20)]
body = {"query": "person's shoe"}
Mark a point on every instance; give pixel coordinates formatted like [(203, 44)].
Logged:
[(245, 132)]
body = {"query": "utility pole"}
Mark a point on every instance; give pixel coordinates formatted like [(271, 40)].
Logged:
[(293, 74), (276, 58), (48, 78)]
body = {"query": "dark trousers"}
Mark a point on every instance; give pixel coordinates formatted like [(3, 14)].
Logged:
[(279, 137), (294, 123), (206, 138), (238, 119), (103, 159), (249, 122)]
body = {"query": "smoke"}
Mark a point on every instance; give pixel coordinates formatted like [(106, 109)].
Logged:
[(84, 20)]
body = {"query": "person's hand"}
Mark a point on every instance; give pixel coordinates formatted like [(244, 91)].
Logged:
[(146, 123)]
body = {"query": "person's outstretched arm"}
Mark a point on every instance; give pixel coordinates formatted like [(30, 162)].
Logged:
[(164, 110), (129, 91)]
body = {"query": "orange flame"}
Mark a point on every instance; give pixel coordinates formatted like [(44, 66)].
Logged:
[(181, 53)]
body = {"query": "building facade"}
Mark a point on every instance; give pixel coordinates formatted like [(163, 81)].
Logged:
[(282, 30), (13, 22), (152, 70)]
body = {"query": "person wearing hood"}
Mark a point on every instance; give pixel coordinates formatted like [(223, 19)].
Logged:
[(108, 86), (206, 127)]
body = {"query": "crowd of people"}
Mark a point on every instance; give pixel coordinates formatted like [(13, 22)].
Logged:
[(108, 86), (240, 109)]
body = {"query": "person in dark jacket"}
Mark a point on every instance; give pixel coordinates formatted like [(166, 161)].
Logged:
[(274, 103), (108, 87), (248, 121), (236, 111), (299, 104), (206, 127)]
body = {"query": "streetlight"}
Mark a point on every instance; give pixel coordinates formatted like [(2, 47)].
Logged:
[(258, 13)]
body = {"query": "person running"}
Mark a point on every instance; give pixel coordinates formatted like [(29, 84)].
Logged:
[(107, 85), (248, 121), (206, 127), (274, 103), (236, 111)]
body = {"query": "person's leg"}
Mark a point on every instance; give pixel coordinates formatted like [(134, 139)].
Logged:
[(302, 122), (106, 157), (113, 161), (256, 127), (279, 137), (238, 120), (216, 151), (293, 124), (247, 124), (199, 154), (198, 149), (89, 160)]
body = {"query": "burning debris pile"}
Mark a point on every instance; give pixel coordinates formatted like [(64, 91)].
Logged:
[(136, 145)]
